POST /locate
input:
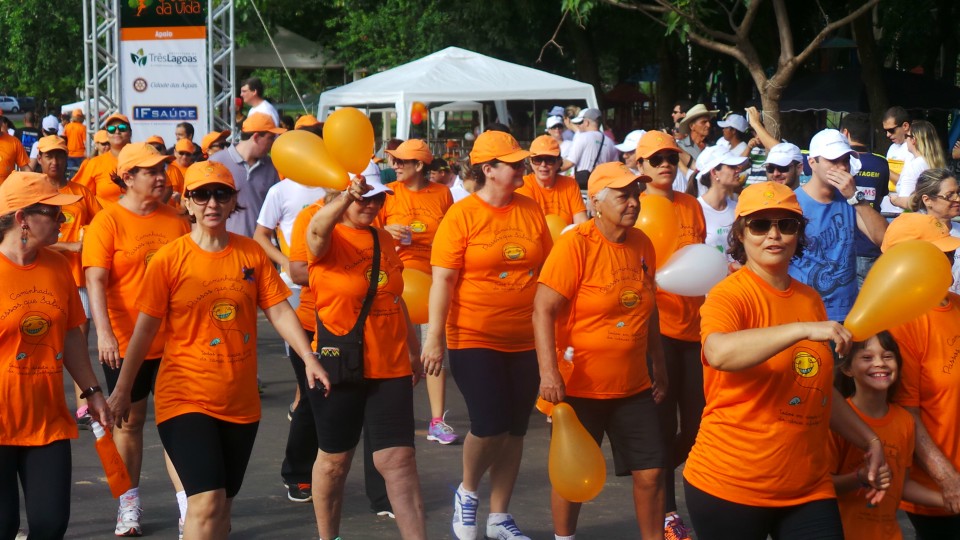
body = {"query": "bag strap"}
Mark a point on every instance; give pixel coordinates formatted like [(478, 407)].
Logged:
[(374, 281), (603, 139)]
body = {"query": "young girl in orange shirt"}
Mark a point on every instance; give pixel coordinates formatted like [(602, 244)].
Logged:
[(868, 376)]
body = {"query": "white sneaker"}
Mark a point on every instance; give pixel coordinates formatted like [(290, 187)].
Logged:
[(128, 520), (505, 530), (465, 516)]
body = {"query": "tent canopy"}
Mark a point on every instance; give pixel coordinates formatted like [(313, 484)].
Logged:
[(297, 51), (453, 74)]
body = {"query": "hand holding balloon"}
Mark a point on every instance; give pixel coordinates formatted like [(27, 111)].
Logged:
[(577, 467)]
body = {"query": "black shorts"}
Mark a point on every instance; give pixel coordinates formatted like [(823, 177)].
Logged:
[(208, 453), (631, 423), (500, 389), (142, 385), (383, 406)]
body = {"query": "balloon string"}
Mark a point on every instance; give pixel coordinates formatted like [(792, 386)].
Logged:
[(279, 56)]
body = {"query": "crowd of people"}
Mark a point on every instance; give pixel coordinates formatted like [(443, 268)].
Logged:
[(784, 425)]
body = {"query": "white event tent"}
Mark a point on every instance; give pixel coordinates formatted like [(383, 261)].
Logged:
[(452, 74)]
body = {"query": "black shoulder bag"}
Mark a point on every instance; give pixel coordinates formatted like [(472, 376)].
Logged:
[(342, 356), (584, 176)]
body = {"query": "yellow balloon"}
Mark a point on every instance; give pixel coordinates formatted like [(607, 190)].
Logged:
[(302, 157), (910, 279), (416, 294), (556, 224), (577, 468), (659, 221), (349, 137)]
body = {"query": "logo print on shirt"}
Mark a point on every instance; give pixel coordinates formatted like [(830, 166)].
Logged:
[(381, 279), (224, 314), (248, 274), (34, 327), (68, 218), (149, 256), (513, 252), (418, 227), (629, 298), (806, 371)]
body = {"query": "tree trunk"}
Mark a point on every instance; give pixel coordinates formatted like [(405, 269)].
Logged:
[(770, 99), (667, 93)]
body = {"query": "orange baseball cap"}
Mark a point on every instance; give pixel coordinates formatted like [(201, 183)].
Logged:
[(100, 137), (139, 155), (306, 120), (207, 172), (77, 113), (766, 196), (655, 141), (116, 117), (259, 122), (614, 175), (497, 145), (211, 138), (156, 139), (544, 145), (185, 145), (413, 149), (916, 226), (23, 189), (51, 143)]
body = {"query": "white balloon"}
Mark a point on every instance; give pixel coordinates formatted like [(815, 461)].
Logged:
[(692, 270), (568, 227)]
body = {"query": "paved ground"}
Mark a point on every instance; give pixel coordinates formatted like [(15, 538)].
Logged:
[(262, 510)]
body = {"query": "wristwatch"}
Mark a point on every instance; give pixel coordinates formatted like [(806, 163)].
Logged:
[(90, 391), (856, 199)]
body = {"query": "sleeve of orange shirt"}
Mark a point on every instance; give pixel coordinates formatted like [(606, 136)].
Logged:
[(450, 242), (271, 290), (23, 156), (573, 199), (563, 269), (98, 246), (912, 338)]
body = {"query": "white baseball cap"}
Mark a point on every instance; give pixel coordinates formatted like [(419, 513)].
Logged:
[(372, 174), (553, 121), (713, 156), (831, 144), (784, 154), (735, 121), (50, 123), (591, 113), (629, 143)]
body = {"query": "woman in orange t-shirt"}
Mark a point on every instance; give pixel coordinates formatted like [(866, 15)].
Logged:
[(341, 251), (117, 247), (556, 194), (40, 334), (206, 287), (411, 215), (96, 173), (760, 465), (486, 261), (597, 295)]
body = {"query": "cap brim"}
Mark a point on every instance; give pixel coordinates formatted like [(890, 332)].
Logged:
[(278, 130), (626, 147), (153, 160), (61, 199), (778, 160), (377, 189), (947, 243), (514, 157), (578, 120)]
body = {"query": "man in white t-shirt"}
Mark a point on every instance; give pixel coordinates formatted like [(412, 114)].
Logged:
[(252, 94), (590, 146), (896, 123)]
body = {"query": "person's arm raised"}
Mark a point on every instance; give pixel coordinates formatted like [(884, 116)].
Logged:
[(744, 349), (321, 225)]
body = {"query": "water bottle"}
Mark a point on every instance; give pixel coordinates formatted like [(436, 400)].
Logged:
[(568, 355), (117, 476)]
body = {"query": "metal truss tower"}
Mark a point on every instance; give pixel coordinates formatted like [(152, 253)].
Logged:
[(222, 71)]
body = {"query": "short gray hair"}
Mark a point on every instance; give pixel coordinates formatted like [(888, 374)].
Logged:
[(602, 194)]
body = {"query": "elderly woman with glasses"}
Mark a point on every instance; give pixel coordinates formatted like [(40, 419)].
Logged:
[(768, 380), (555, 194), (96, 174), (938, 194)]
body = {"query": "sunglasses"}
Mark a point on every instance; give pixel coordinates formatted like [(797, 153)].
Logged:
[(403, 162), (952, 196), (771, 168), (549, 160), (122, 128), (672, 158), (184, 154), (217, 146), (516, 165), (761, 227), (53, 213), (202, 195)]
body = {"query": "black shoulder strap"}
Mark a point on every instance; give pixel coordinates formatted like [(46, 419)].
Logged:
[(603, 139), (374, 281)]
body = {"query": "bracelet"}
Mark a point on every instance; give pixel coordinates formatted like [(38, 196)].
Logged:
[(90, 391), (874, 439), (863, 483)]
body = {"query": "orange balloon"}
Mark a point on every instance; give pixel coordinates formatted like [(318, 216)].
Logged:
[(910, 279), (544, 406), (419, 107), (301, 156), (659, 221), (556, 224), (348, 134), (416, 294), (577, 468), (416, 117)]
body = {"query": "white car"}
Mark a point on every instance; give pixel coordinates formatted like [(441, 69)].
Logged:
[(9, 104)]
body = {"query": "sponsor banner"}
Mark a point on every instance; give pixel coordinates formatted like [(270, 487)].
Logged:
[(163, 66)]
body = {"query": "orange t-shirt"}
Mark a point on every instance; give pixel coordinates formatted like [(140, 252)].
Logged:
[(762, 439), (344, 273), (862, 521), (209, 302), (76, 135), (680, 315), (422, 211), (306, 311), (611, 293), (78, 215), (175, 179), (563, 199), (930, 380), (12, 154), (123, 243), (40, 303), (96, 175), (499, 252)]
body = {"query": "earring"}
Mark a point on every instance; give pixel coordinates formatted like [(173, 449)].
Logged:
[(23, 234), (599, 214)]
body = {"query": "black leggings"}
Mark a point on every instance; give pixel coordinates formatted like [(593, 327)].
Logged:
[(936, 527), (718, 519), (45, 473), (684, 394)]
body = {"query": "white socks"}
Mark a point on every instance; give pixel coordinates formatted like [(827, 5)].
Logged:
[(182, 503)]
